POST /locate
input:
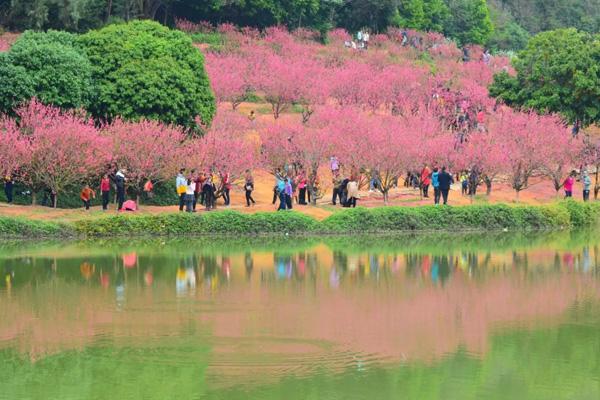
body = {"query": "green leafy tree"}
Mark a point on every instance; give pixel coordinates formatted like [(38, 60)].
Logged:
[(16, 86), (470, 21), (56, 67), (436, 15), (559, 71), (145, 70), (508, 34), (411, 14)]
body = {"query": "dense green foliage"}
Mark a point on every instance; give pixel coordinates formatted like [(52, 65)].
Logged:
[(538, 16), (513, 20), (16, 84), (362, 220), (145, 70), (49, 65), (470, 21), (20, 227), (559, 71)]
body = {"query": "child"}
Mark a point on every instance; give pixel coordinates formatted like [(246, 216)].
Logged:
[(464, 181), (87, 194)]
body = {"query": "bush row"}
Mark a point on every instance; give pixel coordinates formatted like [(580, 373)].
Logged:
[(361, 220)]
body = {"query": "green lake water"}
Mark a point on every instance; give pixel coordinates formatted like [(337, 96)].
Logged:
[(506, 316)]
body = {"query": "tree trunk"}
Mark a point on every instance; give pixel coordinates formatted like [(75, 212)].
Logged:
[(55, 200), (33, 198), (108, 11), (385, 197), (137, 199), (518, 191)]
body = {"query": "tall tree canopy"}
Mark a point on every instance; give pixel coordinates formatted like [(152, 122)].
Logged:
[(559, 71), (145, 70)]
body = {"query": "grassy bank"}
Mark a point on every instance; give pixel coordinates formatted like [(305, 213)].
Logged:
[(562, 215)]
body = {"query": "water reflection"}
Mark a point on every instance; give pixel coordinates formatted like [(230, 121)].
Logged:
[(263, 310)]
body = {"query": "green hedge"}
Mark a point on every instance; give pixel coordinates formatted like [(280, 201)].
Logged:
[(488, 217), (21, 227), (562, 215), (222, 222)]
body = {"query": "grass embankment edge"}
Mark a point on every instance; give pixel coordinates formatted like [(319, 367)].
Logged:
[(497, 217)]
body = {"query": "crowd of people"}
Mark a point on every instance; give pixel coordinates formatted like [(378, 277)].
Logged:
[(360, 41), (292, 187)]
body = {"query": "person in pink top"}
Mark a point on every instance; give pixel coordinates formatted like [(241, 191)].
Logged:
[(568, 185)]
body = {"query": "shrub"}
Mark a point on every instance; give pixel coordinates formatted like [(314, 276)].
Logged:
[(50, 66), (20, 227), (224, 222), (145, 70), (361, 220)]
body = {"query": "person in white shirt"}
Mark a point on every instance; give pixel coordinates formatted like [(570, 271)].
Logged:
[(190, 189)]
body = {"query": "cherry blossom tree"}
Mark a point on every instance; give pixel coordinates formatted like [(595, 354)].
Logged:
[(562, 153), (14, 150), (229, 77), (64, 149), (227, 148), (149, 150), (521, 138)]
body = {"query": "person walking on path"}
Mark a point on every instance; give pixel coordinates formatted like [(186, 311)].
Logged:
[(86, 195), (278, 179), (181, 186), (120, 184), (289, 193), (568, 185), (190, 191), (280, 188), (226, 182), (436, 186), (587, 184), (445, 180), (302, 183), (425, 181), (337, 187), (8, 188), (208, 192), (353, 195), (249, 188), (105, 191)]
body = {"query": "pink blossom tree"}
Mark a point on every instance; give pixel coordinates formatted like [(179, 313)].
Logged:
[(148, 150), (64, 149), (227, 148), (521, 138), (14, 149), (562, 152), (229, 77)]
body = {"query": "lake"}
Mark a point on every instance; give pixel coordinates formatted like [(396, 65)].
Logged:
[(447, 316)]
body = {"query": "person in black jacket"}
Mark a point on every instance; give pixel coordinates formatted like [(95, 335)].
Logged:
[(445, 180)]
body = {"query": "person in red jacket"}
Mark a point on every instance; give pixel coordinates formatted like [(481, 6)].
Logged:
[(425, 181), (105, 191), (87, 194)]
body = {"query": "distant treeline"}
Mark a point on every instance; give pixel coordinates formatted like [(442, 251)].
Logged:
[(501, 24)]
